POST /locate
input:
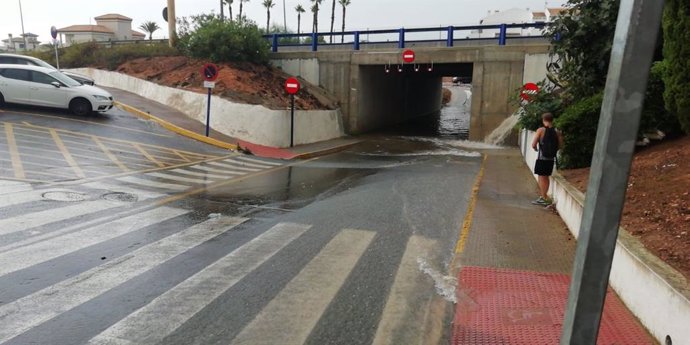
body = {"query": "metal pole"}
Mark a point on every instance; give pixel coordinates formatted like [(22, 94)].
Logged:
[(292, 120), (57, 59), (633, 49), (21, 15), (172, 23), (285, 16), (208, 112)]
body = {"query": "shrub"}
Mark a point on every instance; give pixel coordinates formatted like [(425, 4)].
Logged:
[(676, 26), (579, 126), (547, 100), (654, 115), (208, 37), (92, 54)]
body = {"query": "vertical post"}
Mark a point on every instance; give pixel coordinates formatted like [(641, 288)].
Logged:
[(314, 41), (208, 112), (451, 38), (172, 23), (57, 59), (21, 16), (633, 49), (401, 39), (292, 120), (502, 32), (274, 43), (356, 40)]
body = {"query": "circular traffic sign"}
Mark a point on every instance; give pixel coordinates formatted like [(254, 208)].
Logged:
[(53, 32), (528, 91), (292, 85), (209, 72), (408, 56)]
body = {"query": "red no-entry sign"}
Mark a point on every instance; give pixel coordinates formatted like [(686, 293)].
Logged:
[(528, 91), (408, 56), (210, 72), (292, 85)]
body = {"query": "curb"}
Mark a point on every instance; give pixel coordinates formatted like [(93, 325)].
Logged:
[(308, 155), (174, 128)]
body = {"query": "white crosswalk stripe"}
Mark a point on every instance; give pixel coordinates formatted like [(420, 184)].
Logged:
[(312, 290), (205, 174), (141, 194), (146, 326), (258, 161), (24, 197), (248, 164), (240, 167), (27, 312), (218, 170), (176, 178), (23, 257), (152, 184), (7, 187)]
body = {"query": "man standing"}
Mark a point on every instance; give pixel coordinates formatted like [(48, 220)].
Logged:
[(547, 141)]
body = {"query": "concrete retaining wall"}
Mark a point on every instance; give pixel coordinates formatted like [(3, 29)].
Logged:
[(655, 292), (253, 123)]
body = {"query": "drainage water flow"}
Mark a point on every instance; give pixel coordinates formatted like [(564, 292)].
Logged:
[(501, 132), (454, 120)]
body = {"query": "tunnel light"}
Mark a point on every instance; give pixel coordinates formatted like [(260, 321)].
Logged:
[(431, 67), (400, 68), (388, 68), (416, 67)]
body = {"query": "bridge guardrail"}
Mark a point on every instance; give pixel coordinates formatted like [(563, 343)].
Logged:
[(312, 39)]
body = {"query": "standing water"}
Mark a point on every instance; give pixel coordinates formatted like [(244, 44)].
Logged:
[(454, 120), (501, 132)]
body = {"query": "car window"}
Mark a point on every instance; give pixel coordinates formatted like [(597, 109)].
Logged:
[(65, 80), (18, 74), (39, 77), (8, 60)]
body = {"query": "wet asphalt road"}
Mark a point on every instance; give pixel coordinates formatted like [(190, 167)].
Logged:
[(163, 240)]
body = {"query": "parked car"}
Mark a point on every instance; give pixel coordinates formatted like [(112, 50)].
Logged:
[(48, 87), (14, 59)]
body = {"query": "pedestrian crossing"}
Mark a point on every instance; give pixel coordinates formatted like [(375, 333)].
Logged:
[(288, 317)]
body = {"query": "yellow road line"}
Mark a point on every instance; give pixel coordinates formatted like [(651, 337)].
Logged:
[(109, 154), (181, 156), (467, 223), (98, 124), (68, 157), (148, 156), (14, 152)]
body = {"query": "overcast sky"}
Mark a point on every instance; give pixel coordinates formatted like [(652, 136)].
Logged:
[(40, 15)]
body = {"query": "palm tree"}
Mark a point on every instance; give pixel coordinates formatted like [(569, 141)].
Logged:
[(332, 19), (268, 4), (242, 2), (222, 10), (299, 10), (150, 28), (229, 3), (315, 11), (344, 4)]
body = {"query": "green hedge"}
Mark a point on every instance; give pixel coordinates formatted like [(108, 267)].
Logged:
[(654, 115), (94, 54), (676, 26), (546, 101), (579, 126)]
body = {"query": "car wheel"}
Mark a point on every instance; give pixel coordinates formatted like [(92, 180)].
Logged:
[(80, 107)]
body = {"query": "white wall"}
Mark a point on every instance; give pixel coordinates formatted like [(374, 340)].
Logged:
[(307, 69), (253, 123), (656, 294)]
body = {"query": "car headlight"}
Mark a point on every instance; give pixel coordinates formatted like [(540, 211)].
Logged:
[(100, 98)]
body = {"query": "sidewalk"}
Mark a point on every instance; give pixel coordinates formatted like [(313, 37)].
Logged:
[(515, 265), (181, 124)]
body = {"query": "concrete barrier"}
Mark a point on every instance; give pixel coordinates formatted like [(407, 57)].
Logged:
[(253, 123), (657, 294)]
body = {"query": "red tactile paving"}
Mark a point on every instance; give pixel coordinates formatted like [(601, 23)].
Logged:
[(499, 306)]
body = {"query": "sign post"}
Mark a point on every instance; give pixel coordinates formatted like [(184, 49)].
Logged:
[(292, 86), (53, 33), (210, 73)]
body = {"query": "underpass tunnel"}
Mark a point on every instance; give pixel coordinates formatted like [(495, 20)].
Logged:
[(407, 100)]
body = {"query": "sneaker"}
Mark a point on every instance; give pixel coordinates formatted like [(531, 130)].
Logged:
[(541, 202)]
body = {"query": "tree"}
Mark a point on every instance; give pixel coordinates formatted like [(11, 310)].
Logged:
[(149, 27), (241, 3), (315, 11), (344, 4), (332, 20), (229, 3), (222, 10), (268, 4), (582, 39), (676, 24), (299, 9)]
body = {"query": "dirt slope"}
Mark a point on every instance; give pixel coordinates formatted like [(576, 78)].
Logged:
[(240, 82), (657, 206)]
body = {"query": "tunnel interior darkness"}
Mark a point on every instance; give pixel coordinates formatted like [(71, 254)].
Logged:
[(407, 99)]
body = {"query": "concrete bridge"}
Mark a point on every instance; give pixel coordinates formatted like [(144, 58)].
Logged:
[(375, 89)]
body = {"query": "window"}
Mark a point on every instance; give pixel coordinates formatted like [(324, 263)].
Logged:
[(39, 77), (18, 74), (8, 60)]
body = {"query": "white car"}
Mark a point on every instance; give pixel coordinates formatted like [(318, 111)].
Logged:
[(34, 85)]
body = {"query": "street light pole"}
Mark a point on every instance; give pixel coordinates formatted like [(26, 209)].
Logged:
[(21, 15), (172, 23), (285, 16)]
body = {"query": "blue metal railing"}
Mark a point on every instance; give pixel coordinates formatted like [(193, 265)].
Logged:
[(312, 39)]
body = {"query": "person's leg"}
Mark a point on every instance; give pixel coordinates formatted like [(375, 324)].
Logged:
[(544, 182)]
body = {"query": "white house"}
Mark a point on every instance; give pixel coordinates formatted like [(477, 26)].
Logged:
[(17, 44), (515, 16), (115, 27)]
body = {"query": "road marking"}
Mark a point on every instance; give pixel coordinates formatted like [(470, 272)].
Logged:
[(234, 161), (58, 214), (401, 309), (152, 184), (148, 155), (310, 292), (152, 323), (47, 250), (252, 160), (218, 171), (194, 173), (140, 193), (14, 152), (94, 123), (65, 153), (467, 223), (181, 156), (30, 311), (233, 167), (7, 187), (179, 178), (109, 154)]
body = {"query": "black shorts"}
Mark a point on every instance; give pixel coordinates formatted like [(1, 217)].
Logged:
[(543, 167)]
